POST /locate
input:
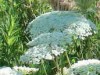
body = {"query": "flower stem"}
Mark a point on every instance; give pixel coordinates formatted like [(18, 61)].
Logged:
[(67, 58), (57, 65), (42, 62)]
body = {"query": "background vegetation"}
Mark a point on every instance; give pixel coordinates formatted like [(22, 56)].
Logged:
[(14, 18)]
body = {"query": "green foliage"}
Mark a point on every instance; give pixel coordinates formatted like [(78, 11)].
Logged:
[(10, 43), (14, 18), (86, 5)]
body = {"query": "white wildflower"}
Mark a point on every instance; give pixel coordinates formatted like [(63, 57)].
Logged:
[(25, 70), (57, 50), (58, 21), (55, 38), (79, 29), (85, 67), (8, 71), (58, 73), (49, 56), (51, 31), (65, 71), (39, 52)]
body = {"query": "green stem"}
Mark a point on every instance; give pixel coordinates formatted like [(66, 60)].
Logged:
[(68, 58), (58, 4), (42, 62), (57, 65)]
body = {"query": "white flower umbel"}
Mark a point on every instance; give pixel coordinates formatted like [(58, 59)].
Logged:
[(25, 70), (8, 71), (80, 29), (54, 38), (57, 21), (37, 53), (85, 67)]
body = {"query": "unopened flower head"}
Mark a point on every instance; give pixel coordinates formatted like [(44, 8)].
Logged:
[(58, 21), (37, 53), (85, 67)]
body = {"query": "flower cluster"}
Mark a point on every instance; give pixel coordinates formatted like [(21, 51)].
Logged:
[(54, 38), (17, 70), (39, 52), (58, 21), (25, 70), (85, 67), (52, 31), (80, 29), (8, 71)]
